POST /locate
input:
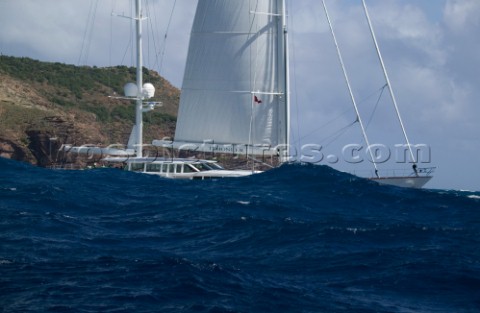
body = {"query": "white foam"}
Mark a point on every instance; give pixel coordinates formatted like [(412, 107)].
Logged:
[(3, 262)]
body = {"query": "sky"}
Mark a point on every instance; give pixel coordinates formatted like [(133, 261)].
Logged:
[(430, 49)]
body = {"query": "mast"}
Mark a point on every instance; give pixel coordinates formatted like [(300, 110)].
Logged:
[(139, 100), (287, 77), (389, 84), (359, 119)]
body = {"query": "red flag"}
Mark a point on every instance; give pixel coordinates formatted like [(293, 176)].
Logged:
[(256, 99)]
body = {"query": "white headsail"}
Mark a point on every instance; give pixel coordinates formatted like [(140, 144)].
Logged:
[(234, 89)]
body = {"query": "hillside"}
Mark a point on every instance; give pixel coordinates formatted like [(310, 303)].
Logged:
[(44, 105)]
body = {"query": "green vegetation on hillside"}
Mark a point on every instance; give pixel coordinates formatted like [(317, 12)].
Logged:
[(40, 101), (87, 88)]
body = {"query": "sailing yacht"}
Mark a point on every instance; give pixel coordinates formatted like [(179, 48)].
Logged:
[(221, 110), (418, 177), (234, 97)]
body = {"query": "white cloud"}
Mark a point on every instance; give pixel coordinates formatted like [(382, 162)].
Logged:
[(462, 14), (52, 30), (48, 33)]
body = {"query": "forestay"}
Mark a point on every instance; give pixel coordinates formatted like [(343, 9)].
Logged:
[(234, 87)]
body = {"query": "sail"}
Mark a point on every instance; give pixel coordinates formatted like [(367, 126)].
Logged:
[(234, 86)]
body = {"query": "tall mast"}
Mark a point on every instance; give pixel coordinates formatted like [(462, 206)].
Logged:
[(388, 83), (359, 119), (287, 77), (138, 111)]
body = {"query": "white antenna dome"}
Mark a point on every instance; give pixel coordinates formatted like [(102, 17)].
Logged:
[(148, 90), (130, 90)]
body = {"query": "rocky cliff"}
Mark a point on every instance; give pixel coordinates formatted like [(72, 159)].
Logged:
[(45, 105)]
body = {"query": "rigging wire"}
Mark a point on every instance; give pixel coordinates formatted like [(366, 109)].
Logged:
[(295, 87), (151, 31), (376, 105), (338, 133), (151, 34), (90, 36), (129, 46), (381, 90), (88, 33), (159, 62), (323, 126), (387, 79), (85, 34), (340, 58), (110, 48), (110, 63)]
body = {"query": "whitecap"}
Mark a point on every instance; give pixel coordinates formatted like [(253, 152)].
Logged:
[(356, 230), (353, 230), (3, 262)]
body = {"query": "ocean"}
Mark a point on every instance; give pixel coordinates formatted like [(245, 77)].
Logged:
[(300, 238)]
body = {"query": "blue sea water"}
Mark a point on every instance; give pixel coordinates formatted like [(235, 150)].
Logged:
[(300, 238)]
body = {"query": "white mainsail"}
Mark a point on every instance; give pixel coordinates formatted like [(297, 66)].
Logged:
[(235, 87)]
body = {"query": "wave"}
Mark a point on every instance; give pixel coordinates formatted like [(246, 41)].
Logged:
[(296, 238)]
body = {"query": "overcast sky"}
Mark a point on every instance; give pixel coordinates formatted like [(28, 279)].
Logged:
[(430, 48)]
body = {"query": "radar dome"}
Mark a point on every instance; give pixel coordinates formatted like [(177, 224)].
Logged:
[(148, 90), (130, 90)]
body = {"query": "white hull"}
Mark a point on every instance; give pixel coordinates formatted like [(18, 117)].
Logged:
[(408, 182), (178, 168), (206, 175)]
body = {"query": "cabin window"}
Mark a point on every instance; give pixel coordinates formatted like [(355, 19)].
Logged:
[(163, 168), (215, 166), (202, 167), (188, 169), (153, 168), (171, 168), (179, 168), (137, 166)]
